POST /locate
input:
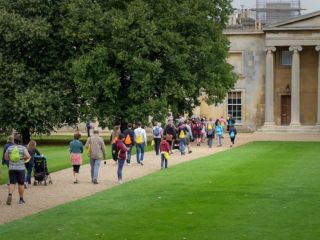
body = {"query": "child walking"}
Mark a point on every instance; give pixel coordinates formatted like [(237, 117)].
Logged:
[(232, 134), (219, 133), (76, 150), (164, 150)]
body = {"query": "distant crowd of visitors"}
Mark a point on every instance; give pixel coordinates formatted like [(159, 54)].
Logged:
[(174, 135)]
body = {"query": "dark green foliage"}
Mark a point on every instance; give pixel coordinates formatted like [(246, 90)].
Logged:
[(66, 61), (36, 90), (155, 56)]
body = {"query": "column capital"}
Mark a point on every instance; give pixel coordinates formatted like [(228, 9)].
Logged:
[(270, 49), (318, 48), (295, 48)]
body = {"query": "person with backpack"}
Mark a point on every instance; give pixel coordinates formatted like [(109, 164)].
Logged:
[(210, 132), (32, 150), (164, 153), (129, 142), (97, 152), (170, 133), (122, 156), (76, 150), (230, 122), (232, 134), (17, 155), (182, 135), (140, 138), (113, 140), (197, 130), (157, 132), (219, 132)]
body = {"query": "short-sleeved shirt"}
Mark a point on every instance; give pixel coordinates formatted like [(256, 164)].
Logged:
[(19, 165)]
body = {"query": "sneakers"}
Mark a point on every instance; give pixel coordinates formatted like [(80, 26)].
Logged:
[(120, 181), (128, 164), (75, 182), (22, 201), (95, 182), (190, 152), (9, 200)]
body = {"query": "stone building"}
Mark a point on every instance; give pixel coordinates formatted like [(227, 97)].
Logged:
[(278, 65)]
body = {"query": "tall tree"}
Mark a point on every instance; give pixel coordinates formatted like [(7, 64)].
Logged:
[(37, 93), (154, 57)]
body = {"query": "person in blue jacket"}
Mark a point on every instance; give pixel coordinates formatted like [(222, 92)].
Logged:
[(219, 133)]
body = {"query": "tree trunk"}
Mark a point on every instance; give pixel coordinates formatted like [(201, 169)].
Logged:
[(25, 136)]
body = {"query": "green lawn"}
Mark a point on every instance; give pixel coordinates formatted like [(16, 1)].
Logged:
[(58, 158), (260, 191)]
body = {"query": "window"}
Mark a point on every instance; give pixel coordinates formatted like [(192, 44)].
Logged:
[(286, 58), (235, 106)]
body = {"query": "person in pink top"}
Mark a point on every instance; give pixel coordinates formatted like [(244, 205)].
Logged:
[(122, 156), (164, 150)]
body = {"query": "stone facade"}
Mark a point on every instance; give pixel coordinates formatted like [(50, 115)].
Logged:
[(279, 76)]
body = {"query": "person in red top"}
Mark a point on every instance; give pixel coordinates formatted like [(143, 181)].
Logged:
[(164, 150), (122, 155), (197, 128)]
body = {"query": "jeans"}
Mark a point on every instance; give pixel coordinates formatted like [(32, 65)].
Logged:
[(182, 145), (129, 154), (157, 145), (219, 140), (164, 162), (120, 167), (140, 152), (29, 168), (95, 165), (210, 141)]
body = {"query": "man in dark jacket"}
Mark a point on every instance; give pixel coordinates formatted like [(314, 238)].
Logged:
[(129, 141)]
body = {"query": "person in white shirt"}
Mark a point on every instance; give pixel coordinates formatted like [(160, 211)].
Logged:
[(140, 138)]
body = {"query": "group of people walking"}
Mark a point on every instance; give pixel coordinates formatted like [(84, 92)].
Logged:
[(20, 159)]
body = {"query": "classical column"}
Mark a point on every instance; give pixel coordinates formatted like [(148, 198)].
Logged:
[(318, 112), (269, 89), (295, 86)]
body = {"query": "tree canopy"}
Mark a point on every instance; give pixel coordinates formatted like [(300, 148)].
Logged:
[(66, 61), (153, 57)]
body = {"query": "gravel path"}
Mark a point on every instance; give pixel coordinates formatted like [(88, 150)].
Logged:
[(63, 190)]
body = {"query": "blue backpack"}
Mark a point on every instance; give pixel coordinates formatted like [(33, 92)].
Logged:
[(232, 135), (156, 131)]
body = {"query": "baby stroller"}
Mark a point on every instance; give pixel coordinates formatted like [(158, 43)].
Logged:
[(41, 173)]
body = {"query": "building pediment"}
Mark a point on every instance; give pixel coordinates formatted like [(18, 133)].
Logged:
[(309, 21)]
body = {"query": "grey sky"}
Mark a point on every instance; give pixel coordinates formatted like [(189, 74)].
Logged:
[(310, 5)]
